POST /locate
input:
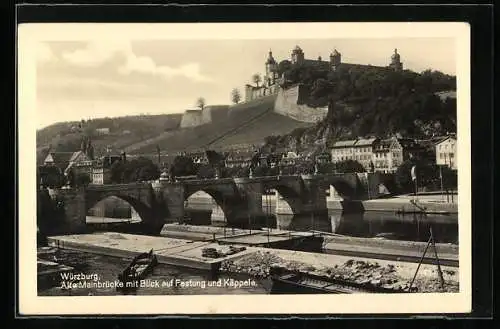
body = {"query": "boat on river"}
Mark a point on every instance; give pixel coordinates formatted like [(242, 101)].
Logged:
[(142, 265), (288, 282)]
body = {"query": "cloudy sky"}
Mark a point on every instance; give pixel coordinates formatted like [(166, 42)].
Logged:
[(93, 78)]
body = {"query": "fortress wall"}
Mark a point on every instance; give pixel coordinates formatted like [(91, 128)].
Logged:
[(214, 113), (173, 121), (289, 102), (191, 118)]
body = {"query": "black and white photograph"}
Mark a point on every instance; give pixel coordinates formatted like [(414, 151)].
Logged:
[(215, 168)]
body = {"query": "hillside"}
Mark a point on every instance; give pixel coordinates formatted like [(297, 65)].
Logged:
[(246, 124), (243, 124), (373, 101), (123, 131)]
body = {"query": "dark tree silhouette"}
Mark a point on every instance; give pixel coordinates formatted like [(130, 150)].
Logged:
[(349, 166), (235, 96)]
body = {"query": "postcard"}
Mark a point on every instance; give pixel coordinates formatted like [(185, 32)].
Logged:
[(244, 168)]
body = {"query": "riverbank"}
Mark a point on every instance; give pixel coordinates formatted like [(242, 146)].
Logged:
[(432, 204), (256, 261), (374, 248)]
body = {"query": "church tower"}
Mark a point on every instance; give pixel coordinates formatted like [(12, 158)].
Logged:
[(90, 150), (83, 146), (396, 61), (271, 69), (297, 55)]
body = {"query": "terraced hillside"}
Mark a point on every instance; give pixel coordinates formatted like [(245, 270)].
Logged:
[(123, 131), (246, 123)]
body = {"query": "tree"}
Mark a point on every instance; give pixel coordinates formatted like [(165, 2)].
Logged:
[(284, 66), (215, 158), (200, 102), (349, 166), (235, 96), (206, 171), (50, 176), (116, 170), (256, 78), (183, 166), (427, 175), (82, 179), (148, 171)]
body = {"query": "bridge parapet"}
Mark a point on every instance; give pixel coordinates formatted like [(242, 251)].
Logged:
[(116, 187)]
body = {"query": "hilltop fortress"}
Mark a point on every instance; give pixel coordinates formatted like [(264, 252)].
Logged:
[(288, 101)]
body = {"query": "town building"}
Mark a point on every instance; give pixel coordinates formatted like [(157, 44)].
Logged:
[(239, 158), (290, 158), (363, 152), (273, 78), (343, 150), (79, 162), (446, 152), (102, 131), (360, 150), (58, 159), (390, 153), (101, 170), (323, 157)]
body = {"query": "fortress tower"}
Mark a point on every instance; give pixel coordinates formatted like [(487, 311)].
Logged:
[(335, 59), (271, 70), (297, 55), (396, 61)]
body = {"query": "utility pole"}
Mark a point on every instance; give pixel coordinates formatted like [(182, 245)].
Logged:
[(441, 178), (447, 194)]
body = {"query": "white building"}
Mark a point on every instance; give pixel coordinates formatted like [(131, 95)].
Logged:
[(102, 131), (446, 152)]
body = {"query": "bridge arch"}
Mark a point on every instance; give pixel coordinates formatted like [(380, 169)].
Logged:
[(286, 194), (342, 188), (143, 209), (222, 200)]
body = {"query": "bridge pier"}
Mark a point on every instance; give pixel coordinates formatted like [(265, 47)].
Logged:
[(169, 201), (70, 208), (313, 195), (250, 214)]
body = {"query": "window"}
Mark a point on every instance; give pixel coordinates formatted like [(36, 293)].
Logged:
[(451, 155)]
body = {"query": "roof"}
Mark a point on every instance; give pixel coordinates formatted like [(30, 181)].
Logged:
[(240, 155), (365, 141), (407, 142), (384, 145), (344, 143), (60, 157), (75, 155), (444, 138)]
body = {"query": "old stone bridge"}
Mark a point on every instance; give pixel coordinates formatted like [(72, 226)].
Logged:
[(239, 198)]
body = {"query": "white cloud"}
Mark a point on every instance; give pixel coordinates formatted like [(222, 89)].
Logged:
[(44, 53), (97, 53)]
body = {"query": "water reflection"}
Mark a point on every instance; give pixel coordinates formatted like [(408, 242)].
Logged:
[(383, 224), (413, 227)]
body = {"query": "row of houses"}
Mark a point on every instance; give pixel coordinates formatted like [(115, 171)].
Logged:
[(386, 155), (374, 154), (380, 155)]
